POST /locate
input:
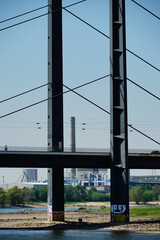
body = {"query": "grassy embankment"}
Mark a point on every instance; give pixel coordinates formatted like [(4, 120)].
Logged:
[(145, 212), (137, 212)]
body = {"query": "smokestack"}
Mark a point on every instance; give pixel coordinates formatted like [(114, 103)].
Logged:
[(72, 135), (72, 144)]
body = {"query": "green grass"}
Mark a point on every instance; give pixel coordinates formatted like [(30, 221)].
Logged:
[(72, 203), (33, 202), (100, 210), (145, 212), (137, 212)]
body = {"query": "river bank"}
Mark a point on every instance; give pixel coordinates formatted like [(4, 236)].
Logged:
[(29, 219)]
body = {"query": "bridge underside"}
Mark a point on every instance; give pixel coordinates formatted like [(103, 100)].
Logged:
[(74, 160)]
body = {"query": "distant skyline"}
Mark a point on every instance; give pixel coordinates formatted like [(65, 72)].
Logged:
[(23, 62)]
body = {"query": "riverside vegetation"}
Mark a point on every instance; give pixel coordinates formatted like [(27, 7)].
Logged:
[(141, 218), (16, 196)]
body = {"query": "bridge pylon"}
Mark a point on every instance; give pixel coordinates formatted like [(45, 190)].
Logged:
[(118, 117), (55, 109)]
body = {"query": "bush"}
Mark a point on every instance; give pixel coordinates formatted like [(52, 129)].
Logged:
[(69, 192), (80, 193), (156, 190), (95, 196), (15, 196), (2, 197), (43, 194), (75, 194), (148, 196), (143, 193), (36, 196), (100, 197), (28, 194), (91, 191)]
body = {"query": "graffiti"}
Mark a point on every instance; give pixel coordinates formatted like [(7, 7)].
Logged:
[(55, 215), (58, 216), (119, 218), (117, 209), (49, 209), (118, 213)]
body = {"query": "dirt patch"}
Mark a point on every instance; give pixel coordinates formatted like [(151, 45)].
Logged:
[(30, 219)]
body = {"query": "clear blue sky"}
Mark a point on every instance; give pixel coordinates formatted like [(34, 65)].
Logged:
[(23, 61)]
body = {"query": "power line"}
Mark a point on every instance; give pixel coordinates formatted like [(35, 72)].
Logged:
[(42, 15), (20, 94), (23, 14), (146, 9), (143, 89), (44, 100)]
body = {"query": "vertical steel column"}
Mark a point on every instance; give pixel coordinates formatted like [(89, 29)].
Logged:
[(118, 132), (55, 109), (72, 135), (73, 143)]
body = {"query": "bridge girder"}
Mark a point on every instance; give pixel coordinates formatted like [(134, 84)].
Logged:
[(74, 160)]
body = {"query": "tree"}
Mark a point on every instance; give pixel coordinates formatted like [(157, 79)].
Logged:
[(91, 191), (146, 187), (100, 197), (138, 194), (2, 197), (28, 194), (156, 190), (142, 193), (148, 195), (69, 192), (131, 194), (80, 193), (95, 196), (36, 196), (15, 196), (43, 194)]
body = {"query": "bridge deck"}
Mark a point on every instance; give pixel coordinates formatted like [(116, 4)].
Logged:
[(74, 160)]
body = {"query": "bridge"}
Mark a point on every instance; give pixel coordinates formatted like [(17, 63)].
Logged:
[(55, 159), (45, 159)]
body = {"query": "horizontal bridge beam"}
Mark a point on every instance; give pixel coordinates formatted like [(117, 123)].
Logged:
[(74, 160), (54, 159)]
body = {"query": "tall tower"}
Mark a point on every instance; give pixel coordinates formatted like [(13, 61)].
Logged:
[(118, 117), (73, 143), (55, 109)]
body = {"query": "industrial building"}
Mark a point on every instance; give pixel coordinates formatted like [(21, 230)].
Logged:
[(27, 179)]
